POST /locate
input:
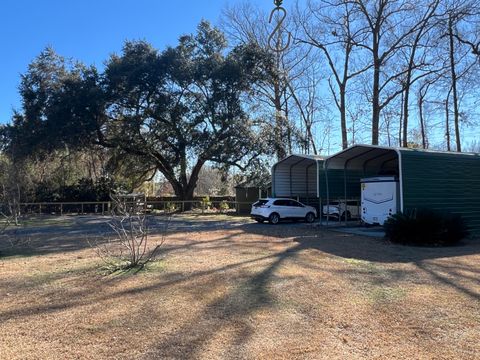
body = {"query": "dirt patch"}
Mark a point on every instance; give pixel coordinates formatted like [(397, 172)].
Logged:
[(252, 291)]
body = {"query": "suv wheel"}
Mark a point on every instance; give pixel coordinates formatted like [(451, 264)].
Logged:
[(349, 216), (274, 218), (310, 218)]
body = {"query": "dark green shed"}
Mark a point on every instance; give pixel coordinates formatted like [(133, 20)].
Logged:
[(248, 193), (443, 181)]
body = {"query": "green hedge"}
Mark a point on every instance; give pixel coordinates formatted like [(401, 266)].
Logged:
[(425, 228)]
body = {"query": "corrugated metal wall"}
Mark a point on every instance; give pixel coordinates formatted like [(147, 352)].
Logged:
[(336, 186), (303, 183), (281, 180), (444, 182), (295, 179)]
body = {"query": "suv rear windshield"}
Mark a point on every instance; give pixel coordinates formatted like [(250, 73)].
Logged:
[(260, 202)]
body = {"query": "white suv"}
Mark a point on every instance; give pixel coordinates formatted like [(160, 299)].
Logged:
[(336, 209), (276, 209)]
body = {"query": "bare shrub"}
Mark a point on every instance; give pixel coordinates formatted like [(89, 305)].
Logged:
[(10, 216), (130, 246), (10, 206)]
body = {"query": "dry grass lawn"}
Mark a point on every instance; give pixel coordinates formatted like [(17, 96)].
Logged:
[(247, 292)]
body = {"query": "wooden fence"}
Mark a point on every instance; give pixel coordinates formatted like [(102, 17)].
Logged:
[(153, 207), (168, 207)]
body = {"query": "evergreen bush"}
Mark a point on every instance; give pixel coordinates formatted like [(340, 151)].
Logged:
[(425, 228)]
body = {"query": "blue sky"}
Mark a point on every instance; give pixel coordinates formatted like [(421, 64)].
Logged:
[(89, 31)]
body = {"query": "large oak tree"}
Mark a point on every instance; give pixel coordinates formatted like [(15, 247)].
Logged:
[(171, 111)]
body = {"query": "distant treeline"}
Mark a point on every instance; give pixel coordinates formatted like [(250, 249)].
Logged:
[(84, 190)]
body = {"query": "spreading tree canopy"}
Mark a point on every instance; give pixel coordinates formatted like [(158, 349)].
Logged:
[(170, 111)]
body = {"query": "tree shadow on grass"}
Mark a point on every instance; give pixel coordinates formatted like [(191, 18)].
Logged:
[(435, 263), (249, 294), (82, 231), (380, 250), (234, 309), (230, 311), (251, 290), (464, 281)]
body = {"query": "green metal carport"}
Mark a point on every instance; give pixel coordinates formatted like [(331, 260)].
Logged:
[(443, 181), (303, 177)]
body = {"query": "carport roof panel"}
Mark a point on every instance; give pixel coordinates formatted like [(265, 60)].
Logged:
[(427, 152), (356, 156), (296, 158)]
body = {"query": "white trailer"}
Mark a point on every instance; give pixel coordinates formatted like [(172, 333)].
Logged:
[(380, 198)]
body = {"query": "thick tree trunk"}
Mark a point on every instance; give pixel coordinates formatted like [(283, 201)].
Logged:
[(411, 66), (278, 92), (405, 111), (279, 122), (422, 120), (287, 123), (343, 117), (184, 189), (376, 98), (187, 198), (189, 188), (309, 139), (454, 84), (447, 123), (400, 125)]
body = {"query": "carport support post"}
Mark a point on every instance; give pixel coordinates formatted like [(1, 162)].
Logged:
[(274, 168), (306, 184), (319, 209), (318, 194), (345, 192), (328, 193)]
